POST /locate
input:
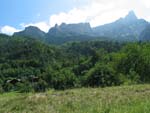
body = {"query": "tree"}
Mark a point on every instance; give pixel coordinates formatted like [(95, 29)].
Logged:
[(64, 79), (101, 75)]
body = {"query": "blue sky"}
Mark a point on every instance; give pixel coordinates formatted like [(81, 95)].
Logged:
[(14, 12), (18, 14)]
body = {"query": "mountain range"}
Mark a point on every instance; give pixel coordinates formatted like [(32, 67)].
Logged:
[(129, 28)]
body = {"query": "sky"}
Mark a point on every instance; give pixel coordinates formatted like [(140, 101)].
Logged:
[(15, 15)]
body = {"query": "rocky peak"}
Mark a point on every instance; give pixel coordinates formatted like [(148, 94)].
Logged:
[(131, 16)]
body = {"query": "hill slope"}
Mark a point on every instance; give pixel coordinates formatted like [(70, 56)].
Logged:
[(126, 99)]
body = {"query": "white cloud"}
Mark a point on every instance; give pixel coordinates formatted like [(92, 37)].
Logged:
[(73, 16), (107, 17), (41, 25), (146, 3), (98, 12), (8, 30)]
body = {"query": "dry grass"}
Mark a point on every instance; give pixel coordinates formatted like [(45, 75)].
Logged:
[(124, 99)]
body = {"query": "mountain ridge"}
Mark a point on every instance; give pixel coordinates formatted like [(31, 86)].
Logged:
[(128, 28), (31, 31)]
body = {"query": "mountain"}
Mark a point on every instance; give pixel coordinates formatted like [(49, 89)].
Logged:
[(69, 32), (145, 35), (130, 17), (128, 28), (33, 32), (4, 35), (71, 29)]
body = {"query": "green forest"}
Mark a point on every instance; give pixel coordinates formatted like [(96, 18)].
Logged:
[(29, 65)]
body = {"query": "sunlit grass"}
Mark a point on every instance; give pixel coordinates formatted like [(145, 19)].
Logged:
[(124, 99)]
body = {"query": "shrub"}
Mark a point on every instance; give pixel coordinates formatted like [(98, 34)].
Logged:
[(64, 79), (101, 75)]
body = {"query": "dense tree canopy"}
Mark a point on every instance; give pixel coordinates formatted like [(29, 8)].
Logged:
[(27, 64)]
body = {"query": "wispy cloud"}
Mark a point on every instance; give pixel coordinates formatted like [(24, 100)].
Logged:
[(96, 12), (73, 16), (44, 26), (8, 30)]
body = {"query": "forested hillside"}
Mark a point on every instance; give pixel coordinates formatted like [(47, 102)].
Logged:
[(27, 64)]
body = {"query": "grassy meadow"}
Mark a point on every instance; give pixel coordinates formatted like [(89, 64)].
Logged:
[(123, 99)]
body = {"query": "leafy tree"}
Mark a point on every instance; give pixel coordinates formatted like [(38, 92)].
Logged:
[(101, 75), (63, 79)]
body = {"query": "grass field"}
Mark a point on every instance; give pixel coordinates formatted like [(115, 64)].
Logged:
[(124, 99)]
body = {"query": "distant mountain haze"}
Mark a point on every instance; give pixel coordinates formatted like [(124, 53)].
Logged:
[(31, 31), (69, 32), (129, 28), (145, 35)]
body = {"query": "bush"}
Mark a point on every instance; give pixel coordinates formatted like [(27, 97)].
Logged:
[(1, 89), (24, 87), (40, 86), (64, 79), (101, 75), (8, 87)]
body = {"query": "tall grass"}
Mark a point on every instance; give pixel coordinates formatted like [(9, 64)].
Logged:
[(124, 99)]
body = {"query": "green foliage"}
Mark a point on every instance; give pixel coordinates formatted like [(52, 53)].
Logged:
[(63, 79), (101, 75), (24, 87), (1, 89), (134, 61), (40, 86), (28, 65)]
